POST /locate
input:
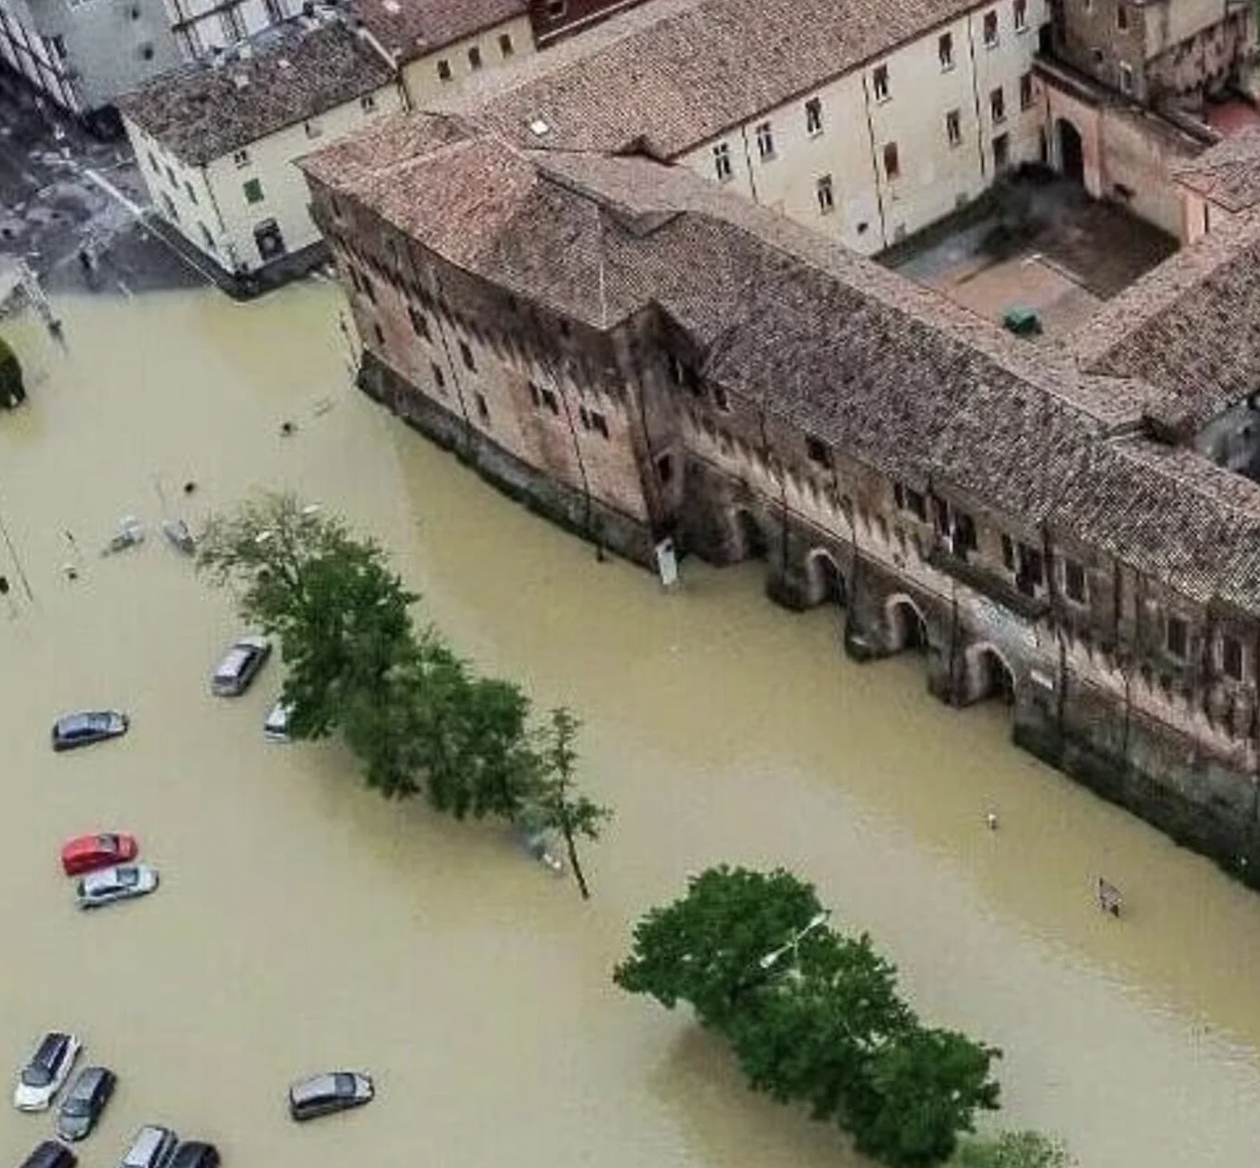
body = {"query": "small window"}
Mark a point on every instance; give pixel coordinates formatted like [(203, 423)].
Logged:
[(945, 51), (474, 57), (465, 355), (997, 105), (483, 410), (439, 378), (1001, 152), (549, 399), (506, 48), (535, 396), (367, 103), (1232, 657), (313, 128), (170, 177), (824, 190), (813, 116), (1008, 553), (665, 468), (192, 194), (241, 158), (419, 323), (253, 191), (892, 162), (1126, 77), (765, 141), (598, 423), (879, 82), (380, 336), (1087, 5), (990, 29), (720, 399), (1021, 15), (722, 162), (153, 162), (206, 237), (816, 450), (1122, 17), (556, 9), (444, 70), (1176, 636), (1025, 91), (169, 204), (368, 289), (1074, 581), (953, 127)]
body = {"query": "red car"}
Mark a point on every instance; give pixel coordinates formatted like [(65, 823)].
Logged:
[(89, 852)]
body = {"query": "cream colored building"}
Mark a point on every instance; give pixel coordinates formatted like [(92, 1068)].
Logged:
[(217, 144), (866, 121)]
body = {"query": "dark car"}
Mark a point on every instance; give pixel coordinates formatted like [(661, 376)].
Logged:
[(329, 1092), (82, 1104), (239, 666), (88, 726), (51, 1154), (152, 1147), (195, 1154)]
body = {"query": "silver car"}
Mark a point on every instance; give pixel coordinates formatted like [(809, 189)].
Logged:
[(152, 1148), (121, 882), (239, 666)]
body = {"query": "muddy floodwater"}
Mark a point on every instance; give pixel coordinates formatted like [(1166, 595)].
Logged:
[(303, 923)]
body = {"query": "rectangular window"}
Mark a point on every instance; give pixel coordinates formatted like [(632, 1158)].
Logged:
[(1001, 152), (419, 323), (962, 534), (1025, 90), (170, 177), (945, 50), (824, 191), (915, 502), (483, 410), (1232, 657), (879, 82), (206, 237), (813, 116), (444, 70), (368, 289), (765, 140), (953, 127), (665, 468), (722, 162), (1126, 77), (367, 103), (474, 57), (1021, 15), (1176, 636), (990, 29), (598, 423), (1074, 581), (548, 398), (556, 9), (720, 399), (506, 48), (1122, 17), (253, 191), (1031, 572), (153, 162), (816, 450), (192, 195), (439, 378), (380, 336), (1008, 553), (465, 355), (997, 105), (535, 396), (241, 158), (892, 161)]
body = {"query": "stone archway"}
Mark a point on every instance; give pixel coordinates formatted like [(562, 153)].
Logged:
[(826, 581), (1071, 150), (907, 626), (988, 676), (748, 536)]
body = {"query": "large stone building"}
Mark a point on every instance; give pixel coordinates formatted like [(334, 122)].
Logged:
[(642, 355)]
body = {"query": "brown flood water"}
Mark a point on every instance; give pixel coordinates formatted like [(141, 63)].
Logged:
[(303, 923)]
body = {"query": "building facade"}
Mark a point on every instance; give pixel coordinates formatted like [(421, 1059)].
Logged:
[(216, 144), (641, 356), (553, 19)]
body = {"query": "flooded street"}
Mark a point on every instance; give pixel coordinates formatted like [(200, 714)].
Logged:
[(303, 923)]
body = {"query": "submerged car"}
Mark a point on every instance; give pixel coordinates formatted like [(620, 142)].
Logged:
[(83, 1102), (152, 1147), (121, 882), (276, 724), (195, 1154), (51, 1154), (239, 667), (86, 727), (329, 1092), (43, 1076), (86, 853)]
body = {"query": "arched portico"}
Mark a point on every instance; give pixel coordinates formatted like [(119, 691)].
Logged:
[(826, 580), (988, 675), (907, 626)]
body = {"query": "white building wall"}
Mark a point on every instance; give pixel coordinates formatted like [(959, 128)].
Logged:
[(872, 209), (209, 205), (423, 78)]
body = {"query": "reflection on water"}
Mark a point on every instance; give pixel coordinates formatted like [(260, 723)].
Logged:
[(303, 923)]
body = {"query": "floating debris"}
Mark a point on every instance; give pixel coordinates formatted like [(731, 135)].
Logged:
[(130, 533)]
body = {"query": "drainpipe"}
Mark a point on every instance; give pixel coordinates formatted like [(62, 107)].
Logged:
[(214, 202), (875, 162), (975, 94), (752, 179)]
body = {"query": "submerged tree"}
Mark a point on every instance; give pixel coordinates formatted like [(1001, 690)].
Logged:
[(1011, 1149)]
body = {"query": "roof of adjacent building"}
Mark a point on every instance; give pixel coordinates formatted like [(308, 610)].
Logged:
[(672, 74), (886, 370), (1227, 174), (294, 72), (414, 28)]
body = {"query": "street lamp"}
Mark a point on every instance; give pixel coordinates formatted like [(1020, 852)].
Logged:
[(818, 919)]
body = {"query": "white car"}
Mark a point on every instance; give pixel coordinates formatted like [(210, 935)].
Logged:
[(48, 1069), (121, 882), (276, 725)]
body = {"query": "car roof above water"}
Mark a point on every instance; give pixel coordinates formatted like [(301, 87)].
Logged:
[(148, 1143)]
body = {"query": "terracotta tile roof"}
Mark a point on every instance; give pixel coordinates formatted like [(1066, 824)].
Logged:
[(1189, 327), (677, 73), (1228, 173), (295, 71), (413, 28)]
